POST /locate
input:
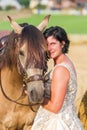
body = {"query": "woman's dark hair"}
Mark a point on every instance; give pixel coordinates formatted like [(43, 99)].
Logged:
[(59, 34)]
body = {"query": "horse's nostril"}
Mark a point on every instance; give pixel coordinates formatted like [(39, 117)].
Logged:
[(33, 93)]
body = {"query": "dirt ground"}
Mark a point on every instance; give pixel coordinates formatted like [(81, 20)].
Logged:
[(78, 54)]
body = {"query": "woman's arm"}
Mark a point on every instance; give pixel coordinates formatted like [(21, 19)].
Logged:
[(59, 86)]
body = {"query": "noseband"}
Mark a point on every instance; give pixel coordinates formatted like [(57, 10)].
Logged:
[(36, 77), (27, 79)]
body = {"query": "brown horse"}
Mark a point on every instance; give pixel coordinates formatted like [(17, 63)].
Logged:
[(23, 63), (82, 112)]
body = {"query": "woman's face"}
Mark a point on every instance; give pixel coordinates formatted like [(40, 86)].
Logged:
[(54, 47)]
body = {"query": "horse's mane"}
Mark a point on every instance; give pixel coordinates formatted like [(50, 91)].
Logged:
[(36, 50), (9, 55), (9, 51)]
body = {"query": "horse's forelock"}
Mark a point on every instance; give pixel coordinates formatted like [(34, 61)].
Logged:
[(36, 46)]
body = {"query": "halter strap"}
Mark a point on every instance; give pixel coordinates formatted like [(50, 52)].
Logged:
[(35, 78)]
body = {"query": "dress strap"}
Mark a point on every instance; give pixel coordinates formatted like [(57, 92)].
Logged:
[(67, 66)]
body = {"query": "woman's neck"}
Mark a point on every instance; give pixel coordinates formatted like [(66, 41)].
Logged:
[(60, 59)]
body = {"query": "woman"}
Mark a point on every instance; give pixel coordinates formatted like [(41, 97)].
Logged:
[(58, 112)]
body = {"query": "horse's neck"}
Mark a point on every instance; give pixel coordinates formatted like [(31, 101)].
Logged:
[(11, 80)]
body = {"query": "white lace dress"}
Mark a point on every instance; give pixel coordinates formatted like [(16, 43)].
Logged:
[(67, 118)]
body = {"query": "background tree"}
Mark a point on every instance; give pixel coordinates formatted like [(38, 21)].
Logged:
[(24, 2)]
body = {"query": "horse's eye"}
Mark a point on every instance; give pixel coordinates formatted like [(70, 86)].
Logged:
[(2, 43), (21, 53)]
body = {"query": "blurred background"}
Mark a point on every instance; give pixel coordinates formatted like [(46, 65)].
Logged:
[(77, 7), (69, 14)]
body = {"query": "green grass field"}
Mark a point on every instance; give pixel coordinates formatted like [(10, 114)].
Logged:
[(72, 24)]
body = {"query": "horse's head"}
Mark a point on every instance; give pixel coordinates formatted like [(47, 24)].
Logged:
[(31, 57)]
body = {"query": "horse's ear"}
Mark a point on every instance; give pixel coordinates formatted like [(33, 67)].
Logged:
[(17, 28), (44, 23)]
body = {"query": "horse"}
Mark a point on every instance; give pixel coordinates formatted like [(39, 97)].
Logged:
[(82, 112), (23, 63)]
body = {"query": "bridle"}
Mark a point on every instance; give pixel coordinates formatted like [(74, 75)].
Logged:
[(26, 80)]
